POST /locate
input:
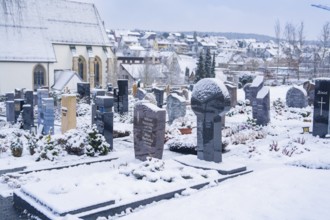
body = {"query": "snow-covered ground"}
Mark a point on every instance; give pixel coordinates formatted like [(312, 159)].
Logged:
[(290, 178)]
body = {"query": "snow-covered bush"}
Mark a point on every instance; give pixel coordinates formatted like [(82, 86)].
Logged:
[(32, 142), (74, 142), (16, 147), (97, 144), (48, 149)]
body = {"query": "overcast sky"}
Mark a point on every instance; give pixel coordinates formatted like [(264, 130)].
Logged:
[(244, 16)]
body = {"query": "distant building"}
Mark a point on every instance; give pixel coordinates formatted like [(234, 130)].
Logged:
[(41, 37)]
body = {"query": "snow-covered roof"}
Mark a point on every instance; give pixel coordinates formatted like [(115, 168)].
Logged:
[(136, 47), (187, 62), (30, 27), (64, 78), (137, 70)]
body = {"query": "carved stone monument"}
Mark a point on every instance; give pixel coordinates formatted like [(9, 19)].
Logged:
[(149, 130), (296, 97), (210, 101), (176, 107)]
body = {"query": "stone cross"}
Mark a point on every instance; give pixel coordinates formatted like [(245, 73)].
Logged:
[(321, 117), (149, 130), (210, 101)]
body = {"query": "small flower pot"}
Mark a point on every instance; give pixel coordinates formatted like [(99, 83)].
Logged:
[(185, 130), (17, 152)]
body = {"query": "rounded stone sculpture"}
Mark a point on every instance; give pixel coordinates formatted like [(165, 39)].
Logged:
[(210, 101)]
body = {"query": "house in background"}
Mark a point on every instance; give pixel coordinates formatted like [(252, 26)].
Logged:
[(40, 37)]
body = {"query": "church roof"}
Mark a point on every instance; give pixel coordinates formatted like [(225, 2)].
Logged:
[(29, 28)]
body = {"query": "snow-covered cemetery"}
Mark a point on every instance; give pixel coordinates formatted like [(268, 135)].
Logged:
[(99, 123)]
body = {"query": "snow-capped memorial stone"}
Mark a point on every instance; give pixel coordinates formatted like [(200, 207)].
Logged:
[(296, 97), (149, 130), (159, 94), (262, 107), (28, 96), (176, 107), (27, 115), (141, 93), (210, 101), (321, 118), (104, 118)]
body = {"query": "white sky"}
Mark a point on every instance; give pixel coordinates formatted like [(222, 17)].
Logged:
[(244, 16)]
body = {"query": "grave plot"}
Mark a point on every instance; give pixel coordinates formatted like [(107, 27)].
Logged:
[(50, 194)]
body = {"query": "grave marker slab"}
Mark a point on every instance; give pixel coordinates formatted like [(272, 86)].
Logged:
[(296, 97), (48, 115), (68, 112), (210, 101), (28, 95), (84, 91), (262, 107), (19, 93), (18, 107), (27, 115), (41, 94), (104, 118), (149, 130), (321, 118), (122, 96), (10, 96), (159, 94), (232, 89), (10, 111), (141, 93), (176, 107)]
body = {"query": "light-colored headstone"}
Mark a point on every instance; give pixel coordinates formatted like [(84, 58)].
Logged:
[(68, 112)]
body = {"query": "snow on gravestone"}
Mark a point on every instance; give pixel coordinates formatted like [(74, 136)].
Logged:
[(176, 107), (263, 106), (210, 101), (296, 97), (149, 130), (141, 93), (321, 120)]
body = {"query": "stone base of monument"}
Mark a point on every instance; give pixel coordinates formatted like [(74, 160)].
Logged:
[(23, 202), (224, 168)]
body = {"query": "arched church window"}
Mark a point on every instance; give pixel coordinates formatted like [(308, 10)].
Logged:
[(39, 75), (97, 72)]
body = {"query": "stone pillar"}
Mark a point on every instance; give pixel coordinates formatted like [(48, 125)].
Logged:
[(68, 119), (91, 72), (75, 64)]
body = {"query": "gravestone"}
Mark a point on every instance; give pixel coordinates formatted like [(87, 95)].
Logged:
[(104, 118), (35, 98), (255, 87), (185, 94), (41, 94), (93, 115), (28, 96), (159, 94), (246, 89), (122, 96), (27, 115), (149, 130), (232, 89), (210, 101), (10, 111), (109, 87), (262, 107), (68, 112), (296, 97), (10, 96), (321, 118), (191, 87), (48, 115), (310, 89), (19, 94), (18, 107), (176, 107), (141, 93), (84, 91), (97, 92)]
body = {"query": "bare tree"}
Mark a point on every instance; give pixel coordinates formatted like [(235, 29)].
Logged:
[(324, 42), (291, 39), (301, 42), (277, 29)]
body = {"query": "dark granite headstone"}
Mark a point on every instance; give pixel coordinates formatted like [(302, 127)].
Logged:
[(10, 96), (18, 107), (191, 87), (262, 107), (19, 94), (321, 120), (48, 115), (122, 96), (104, 118), (10, 111), (232, 89), (159, 94), (255, 87), (141, 93), (28, 95), (296, 97), (210, 101), (84, 91), (41, 93), (27, 117), (149, 130), (176, 107), (109, 87), (310, 89), (93, 106)]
